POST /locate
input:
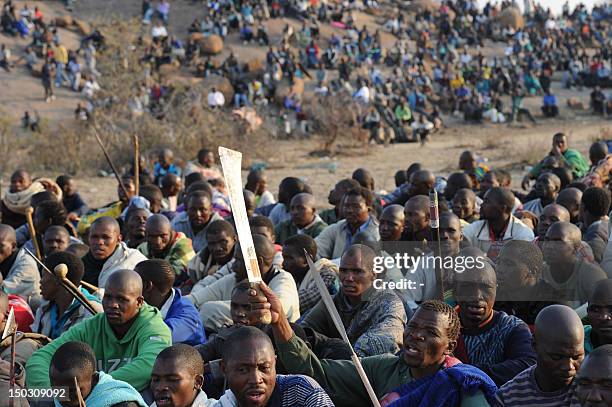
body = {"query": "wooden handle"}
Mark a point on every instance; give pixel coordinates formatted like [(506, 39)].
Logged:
[(29, 213), (136, 164), (61, 270)]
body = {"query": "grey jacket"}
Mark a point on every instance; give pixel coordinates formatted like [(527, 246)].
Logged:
[(23, 278), (181, 224), (333, 240)]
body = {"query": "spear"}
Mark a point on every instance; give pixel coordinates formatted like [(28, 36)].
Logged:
[(434, 216)]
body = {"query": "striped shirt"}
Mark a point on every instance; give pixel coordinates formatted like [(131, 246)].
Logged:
[(523, 391), (298, 391)]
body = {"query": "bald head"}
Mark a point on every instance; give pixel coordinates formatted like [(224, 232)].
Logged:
[(559, 323), (158, 222), (391, 223), (303, 199), (127, 280), (564, 231), (419, 202), (550, 214), (570, 199), (8, 242), (7, 233), (302, 208), (393, 212), (358, 256)]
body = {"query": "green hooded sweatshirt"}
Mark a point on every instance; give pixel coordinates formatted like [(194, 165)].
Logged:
[(129, 359)]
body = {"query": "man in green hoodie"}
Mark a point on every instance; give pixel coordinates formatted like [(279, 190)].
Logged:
[(126, 338), (568, 157)]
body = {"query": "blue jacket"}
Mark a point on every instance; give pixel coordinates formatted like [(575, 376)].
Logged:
[(184, 321)]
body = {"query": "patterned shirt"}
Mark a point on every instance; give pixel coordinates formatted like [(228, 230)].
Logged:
[(501, 349), (374, 327), (298, 391), (524, 391)]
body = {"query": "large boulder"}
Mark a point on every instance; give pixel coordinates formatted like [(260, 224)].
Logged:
[(255, 66), (64, 21), (284, 89), (221, 83), (419, 6), (511, 17), (211, 45), (83, 28)]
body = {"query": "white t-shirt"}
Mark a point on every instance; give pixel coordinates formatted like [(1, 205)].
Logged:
[(159, 31), (216, 99)]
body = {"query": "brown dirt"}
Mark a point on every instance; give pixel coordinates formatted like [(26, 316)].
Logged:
[(502, 145)]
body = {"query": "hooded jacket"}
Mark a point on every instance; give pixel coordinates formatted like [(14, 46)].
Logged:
[(184, 321), (23, 278), (129, 359), (109, 391), (122, 258)]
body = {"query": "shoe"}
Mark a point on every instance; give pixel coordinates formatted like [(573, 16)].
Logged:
[(53, 97)]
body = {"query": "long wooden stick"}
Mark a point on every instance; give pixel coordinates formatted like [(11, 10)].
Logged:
[(136, 164), (29, 212), (61, 270), (434, 216), (333, 313), (11, 328), (110, 162), (13, 357), (60, 276), (78, 393)]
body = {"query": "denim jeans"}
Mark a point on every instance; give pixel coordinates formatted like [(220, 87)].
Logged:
[(60, 75)]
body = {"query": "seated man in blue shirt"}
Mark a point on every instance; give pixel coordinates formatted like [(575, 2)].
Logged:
[(550, 108), (178, 313)]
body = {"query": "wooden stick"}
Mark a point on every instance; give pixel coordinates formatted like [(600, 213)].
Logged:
[(434, 216), (136, 164), (12, 371), (110, 162), (78, 393), (333, 313), (29, 212), (89, 286), (13, 357), (64, 282), (11, 327), (61, 270)]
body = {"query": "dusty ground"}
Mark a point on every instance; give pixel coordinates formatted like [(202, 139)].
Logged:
[(501, 145)]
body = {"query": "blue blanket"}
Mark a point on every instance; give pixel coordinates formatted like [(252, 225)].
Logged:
[(446, 387)]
